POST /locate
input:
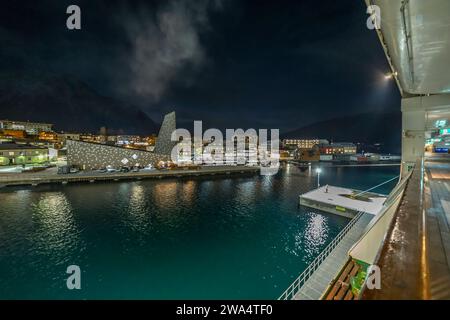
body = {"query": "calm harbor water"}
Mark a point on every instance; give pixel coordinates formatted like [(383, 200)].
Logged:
[(202, 238)]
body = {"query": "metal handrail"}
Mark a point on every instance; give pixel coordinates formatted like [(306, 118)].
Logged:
[(377, 186), (292, 290), (393, 196)]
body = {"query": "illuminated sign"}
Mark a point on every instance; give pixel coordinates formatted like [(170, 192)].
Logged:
[(433, 140), (440, 123), (444, 132)]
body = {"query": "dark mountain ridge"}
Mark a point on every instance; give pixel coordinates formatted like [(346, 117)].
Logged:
[(366, 128), (68, 103)]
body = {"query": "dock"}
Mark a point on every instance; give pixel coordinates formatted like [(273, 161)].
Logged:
[(35, 179), (343, 201)]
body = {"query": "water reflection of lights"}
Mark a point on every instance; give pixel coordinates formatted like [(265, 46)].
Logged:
[(165, 193), (137, 200), (137, 208), (137, 195), (315, 235), (57, 235), (246, 192), (189, 191)]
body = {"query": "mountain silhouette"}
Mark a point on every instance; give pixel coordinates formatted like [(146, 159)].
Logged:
[(366, 128), (68, 103)]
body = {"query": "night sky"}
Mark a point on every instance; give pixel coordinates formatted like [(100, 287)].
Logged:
[(262, 64)]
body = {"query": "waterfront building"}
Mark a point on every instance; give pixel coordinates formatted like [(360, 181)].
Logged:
[(309, 155), (127, 139), (345, 148), (14, 134), (150, 140), (326, 157), (338, 148), (68, 136), (32, 128), (164, 144), (89, 137), (285, 155), (55, 154), (111, 139), (48, 136), (19, 154), (304, 143), (325, 149), (88, 154)]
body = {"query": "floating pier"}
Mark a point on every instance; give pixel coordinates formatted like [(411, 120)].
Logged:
[(343, 201)]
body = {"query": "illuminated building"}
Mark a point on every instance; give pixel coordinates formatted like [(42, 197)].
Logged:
[(127, 139), (17, 134), (304, 143), (343, 148), (88, 153), (325, 149), (48, 136), (68, 136), (32, 128), (17, 154), (308, 154)]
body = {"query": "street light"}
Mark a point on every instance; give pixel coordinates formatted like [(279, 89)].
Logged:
[(390, 75), (318, 170)]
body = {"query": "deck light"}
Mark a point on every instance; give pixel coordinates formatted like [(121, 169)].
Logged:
[(318, 170)]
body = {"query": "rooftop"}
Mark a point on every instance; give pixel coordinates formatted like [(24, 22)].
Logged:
[(14, 146), (26, 122), (342, 144)]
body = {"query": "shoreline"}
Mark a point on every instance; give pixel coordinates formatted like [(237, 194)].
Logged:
[(35, 179)]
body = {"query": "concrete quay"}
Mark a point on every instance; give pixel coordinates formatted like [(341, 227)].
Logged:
[(50, 176)]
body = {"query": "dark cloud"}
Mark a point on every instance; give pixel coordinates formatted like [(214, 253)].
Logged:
[(165, 41)]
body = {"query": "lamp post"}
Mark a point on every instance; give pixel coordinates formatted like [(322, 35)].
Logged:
[(318, 170)]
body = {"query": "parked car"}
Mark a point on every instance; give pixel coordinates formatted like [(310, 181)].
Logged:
[(74, 170), (67, 170), (149, 168), (63, 170), (110, 169)]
